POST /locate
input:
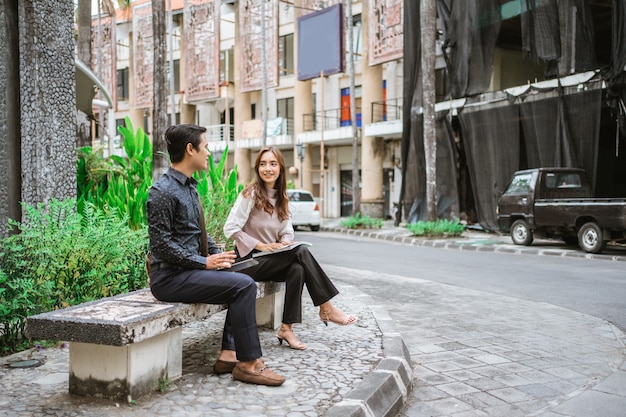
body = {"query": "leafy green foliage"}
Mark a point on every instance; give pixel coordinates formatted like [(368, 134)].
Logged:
[(361, 222), (438, 228), (218, 192), (118, 184), (164, 384), (121, 184), (69, 252), (62, 257)]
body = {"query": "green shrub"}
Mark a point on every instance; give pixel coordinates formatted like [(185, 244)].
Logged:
[(118, 184), (121, 184), (218, 192), (361, 222), (438, 228), (80, 250), (61, 258)]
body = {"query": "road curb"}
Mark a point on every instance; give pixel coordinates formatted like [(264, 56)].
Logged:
[(385, 390), (408, 239)]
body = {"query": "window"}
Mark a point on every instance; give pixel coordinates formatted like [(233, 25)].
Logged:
[(563, 180), (176, 76), (122, 84), (227, 67), (285, 52), (299, 196), (346, 119), (520, 184), (356, 37), (284, 107), (176, 117)]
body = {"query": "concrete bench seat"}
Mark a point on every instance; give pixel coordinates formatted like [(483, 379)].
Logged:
[(121, 346)]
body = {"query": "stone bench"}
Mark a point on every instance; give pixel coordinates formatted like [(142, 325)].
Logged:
[(122, 346)]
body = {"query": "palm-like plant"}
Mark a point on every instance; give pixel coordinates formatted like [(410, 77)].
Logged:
[(218, 191), (119, 183)]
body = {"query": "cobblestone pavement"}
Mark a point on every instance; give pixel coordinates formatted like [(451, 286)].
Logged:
[(336, 360)]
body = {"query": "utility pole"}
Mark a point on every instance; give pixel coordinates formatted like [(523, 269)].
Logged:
[(170, 38), (83, 50), (356, 189), (264, 76), (428, 12)]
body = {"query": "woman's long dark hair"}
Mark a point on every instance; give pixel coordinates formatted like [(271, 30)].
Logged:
[(261, 200)]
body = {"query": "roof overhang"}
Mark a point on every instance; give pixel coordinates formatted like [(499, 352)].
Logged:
[(87, 85)]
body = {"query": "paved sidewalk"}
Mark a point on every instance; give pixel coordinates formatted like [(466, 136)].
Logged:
[(472, 354), (480, 354)]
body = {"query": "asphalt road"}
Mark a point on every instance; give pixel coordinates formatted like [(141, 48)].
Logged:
[(590, 286)]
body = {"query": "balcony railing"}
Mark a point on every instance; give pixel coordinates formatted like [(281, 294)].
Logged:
[(217, 133), (331, 119), (386, 111), (280, 126)]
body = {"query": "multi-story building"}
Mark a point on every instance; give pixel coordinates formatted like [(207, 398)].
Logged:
[(302, 117), (486, 53)]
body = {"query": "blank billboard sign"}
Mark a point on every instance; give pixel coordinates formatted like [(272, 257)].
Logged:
[(320, 43)]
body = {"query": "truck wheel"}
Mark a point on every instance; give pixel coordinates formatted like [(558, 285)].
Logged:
[(521, 233), (590, 238)]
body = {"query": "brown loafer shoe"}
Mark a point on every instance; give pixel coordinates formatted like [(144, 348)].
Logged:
[(262, 376), (223, 367)]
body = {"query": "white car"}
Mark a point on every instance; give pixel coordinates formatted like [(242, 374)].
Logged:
[(304, 209)]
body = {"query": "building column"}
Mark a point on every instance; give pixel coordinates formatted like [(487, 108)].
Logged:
[(243, 112), (187, 111), (48, 132), (302, 104), (372, 148), (135, 114)]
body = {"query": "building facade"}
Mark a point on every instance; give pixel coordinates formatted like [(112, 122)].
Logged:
[(229, 60)]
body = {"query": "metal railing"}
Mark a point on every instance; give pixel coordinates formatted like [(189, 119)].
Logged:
[(217, 133), (286, 127), (331, 119), (386, 111)]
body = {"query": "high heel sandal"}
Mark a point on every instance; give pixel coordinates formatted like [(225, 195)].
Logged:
[(347, 320), (297, 345)]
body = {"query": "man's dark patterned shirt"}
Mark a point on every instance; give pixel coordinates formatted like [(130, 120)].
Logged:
[(173, 211)]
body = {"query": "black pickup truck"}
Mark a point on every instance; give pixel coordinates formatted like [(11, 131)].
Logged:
[(557, 203)]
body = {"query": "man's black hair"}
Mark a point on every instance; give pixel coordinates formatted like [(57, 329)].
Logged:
[(178, 136)]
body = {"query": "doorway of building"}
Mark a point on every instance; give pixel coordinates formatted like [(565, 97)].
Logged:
[(346, 193), (389, 209)]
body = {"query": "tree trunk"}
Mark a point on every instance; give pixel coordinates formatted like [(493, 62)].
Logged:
[(83, 51), (159, 99), (429, 28)]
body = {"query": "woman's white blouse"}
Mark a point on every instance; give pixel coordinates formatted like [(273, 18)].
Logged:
[(248, 226)]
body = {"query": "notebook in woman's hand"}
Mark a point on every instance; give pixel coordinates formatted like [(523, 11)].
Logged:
[(283, 249)]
